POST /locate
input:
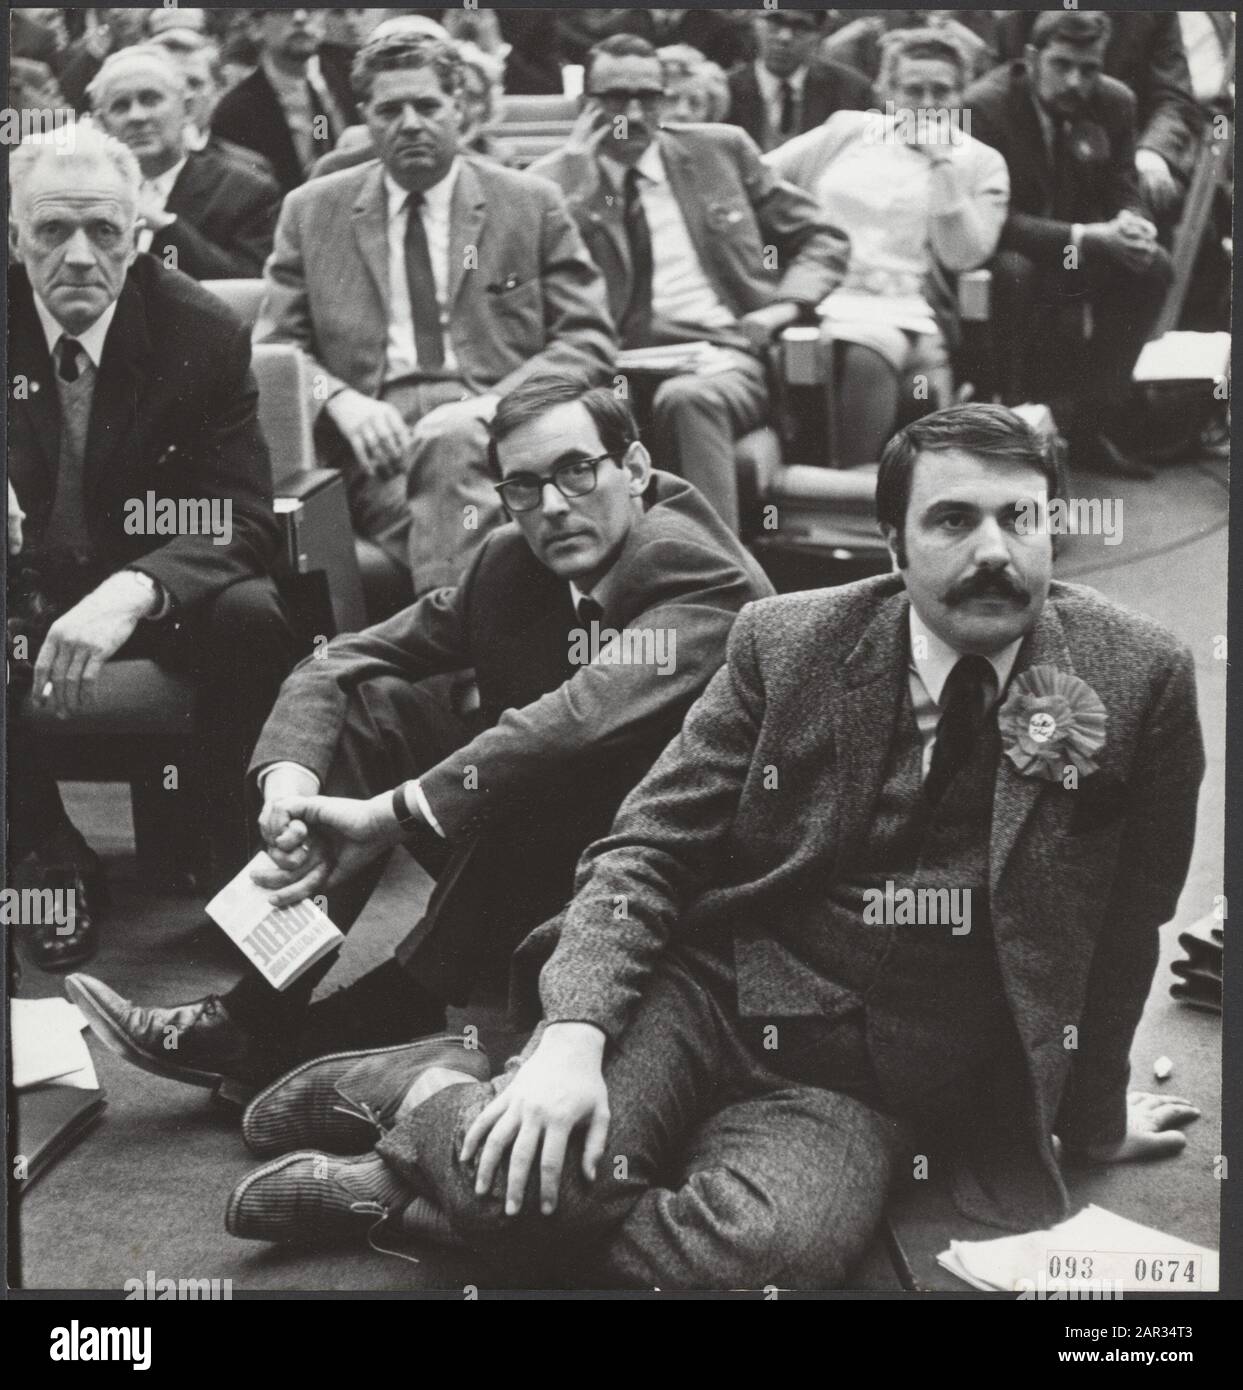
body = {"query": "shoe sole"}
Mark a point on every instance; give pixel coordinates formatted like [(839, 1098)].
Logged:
[(115, 1040), (437, 1039)]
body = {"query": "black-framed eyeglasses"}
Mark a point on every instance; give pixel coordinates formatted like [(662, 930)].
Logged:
[(523, 492), (618, 99)]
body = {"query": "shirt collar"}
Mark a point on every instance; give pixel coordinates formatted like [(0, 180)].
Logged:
[(770, 84), (284, 83), (651, 164), (932, 658), (92, 339), (438, 197)]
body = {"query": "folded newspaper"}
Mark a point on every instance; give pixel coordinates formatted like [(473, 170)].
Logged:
[(1093, 1250), (281, 942)]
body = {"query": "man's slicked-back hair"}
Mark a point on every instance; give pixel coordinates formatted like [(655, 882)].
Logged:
[(396, 52), (991, 433), (609, 412), (618, 46), (82, 139), (1080, 29)]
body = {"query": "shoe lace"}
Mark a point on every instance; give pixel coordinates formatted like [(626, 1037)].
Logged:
[(372, 1243), (360, 1110)]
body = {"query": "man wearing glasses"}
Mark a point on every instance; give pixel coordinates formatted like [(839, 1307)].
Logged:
[(500, 793), (787, 90), (698, 242)]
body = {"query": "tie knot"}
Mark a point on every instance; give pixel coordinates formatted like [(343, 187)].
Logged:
[(68, 364), (971, 680), (415, 201), (589, 611)]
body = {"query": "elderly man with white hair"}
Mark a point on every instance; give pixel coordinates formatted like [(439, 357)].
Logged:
[(133, 400), (201, 213)]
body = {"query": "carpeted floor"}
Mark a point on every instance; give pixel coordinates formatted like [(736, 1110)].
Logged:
[(146, 1189)]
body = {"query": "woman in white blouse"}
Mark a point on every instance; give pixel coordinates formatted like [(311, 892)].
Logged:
[(921, 201)]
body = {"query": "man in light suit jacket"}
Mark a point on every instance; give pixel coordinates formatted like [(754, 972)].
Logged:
[(416, 326), (896, 883), (206, 216), (501, 797), (786, 90), (697, 241)]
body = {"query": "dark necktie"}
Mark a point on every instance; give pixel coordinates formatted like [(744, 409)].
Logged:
[(319, 108), (637, 320), (964, 705), (787, 108), (424, 306), (1066, 202), (67, 368), (589, 611)]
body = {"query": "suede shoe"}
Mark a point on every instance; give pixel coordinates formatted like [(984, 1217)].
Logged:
[(199, 1043), (344, 1102), (309, 1197)]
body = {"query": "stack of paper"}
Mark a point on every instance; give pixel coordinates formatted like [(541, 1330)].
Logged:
[(47, 1045), (1182, 356), (1096, 1251), (676, 359)]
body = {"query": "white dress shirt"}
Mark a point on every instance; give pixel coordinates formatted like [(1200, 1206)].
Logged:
[(401, 355), (159, 188), (932, 660), (681, 292)]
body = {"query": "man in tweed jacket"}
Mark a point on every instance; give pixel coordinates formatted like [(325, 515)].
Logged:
[(744, 1032)]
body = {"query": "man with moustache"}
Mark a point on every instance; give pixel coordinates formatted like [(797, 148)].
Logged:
[(1078, 236), (730, 1067), (500, 794)]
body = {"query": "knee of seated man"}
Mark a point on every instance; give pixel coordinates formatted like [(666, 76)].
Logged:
[(249, 609), (680, 391), (1013, 268)]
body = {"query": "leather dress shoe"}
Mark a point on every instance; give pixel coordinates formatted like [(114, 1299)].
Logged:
[(208, 1047), (79, 893), (308, 1197), (346, 1101)]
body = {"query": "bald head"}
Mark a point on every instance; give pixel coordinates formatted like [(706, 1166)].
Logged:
[(139, 95)]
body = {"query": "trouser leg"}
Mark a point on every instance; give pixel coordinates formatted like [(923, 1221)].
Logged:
[(1125, 305), (1015, 286), (695, 421)]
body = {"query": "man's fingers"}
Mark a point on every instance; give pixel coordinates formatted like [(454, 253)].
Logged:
[(71, 690), (593, 1147), (552, 1160), (44, 662), (493, 1151), (481, 1126), (521, 1157), (303, 888)]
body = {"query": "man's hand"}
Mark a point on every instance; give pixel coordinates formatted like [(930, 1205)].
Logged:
[(761, 326), (556, 1091), (1125, 240), (374, 430), (290, 845), (151, 213), (1158, 183), (1152, 1130), (342, 835), (16, 517), (591, 126), (80, 641)]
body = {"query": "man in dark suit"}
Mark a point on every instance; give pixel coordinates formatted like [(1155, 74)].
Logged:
[(202, 215), (894, 889), (697, 241), (293, 107), (1077, 237), (423, 287), (787, 90), (133, 401), (512, 784), (1145, 51)]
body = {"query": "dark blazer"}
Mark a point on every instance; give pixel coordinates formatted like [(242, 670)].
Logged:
[(1003, 114), (251, 115), (563, 743), (226, 217), (534, 303), (734, 207), (706, 854), (173, 412), (1146, 52), (828, 87)]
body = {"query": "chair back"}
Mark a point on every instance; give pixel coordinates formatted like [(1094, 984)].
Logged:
[(242, 296)]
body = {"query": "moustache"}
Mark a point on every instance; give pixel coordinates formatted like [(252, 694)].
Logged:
[(987, 584)]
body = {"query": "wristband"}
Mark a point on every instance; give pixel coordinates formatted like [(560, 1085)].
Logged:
[(407, 822)]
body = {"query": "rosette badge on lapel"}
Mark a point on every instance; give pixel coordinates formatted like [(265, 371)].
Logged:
[(1050, 721)]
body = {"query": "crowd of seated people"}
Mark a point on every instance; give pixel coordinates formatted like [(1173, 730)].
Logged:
[(464, 315)]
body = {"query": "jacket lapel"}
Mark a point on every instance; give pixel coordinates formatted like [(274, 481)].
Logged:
[(29, 357), (866, 714), (1031, 132), (369, 218), (119, 385), (466, 217), (1015, 796)]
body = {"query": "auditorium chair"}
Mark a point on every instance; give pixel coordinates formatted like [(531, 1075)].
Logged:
[(533, 126)]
